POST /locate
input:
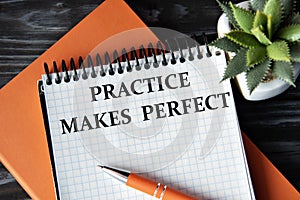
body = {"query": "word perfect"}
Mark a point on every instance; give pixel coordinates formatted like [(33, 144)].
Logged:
[(185, 106)]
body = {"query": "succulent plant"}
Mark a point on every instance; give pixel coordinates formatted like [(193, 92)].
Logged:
[(265, 39)]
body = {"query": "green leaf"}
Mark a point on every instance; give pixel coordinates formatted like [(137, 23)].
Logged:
[(256, 55), (244, 39), (295, 52), (288, 6), (273, 9), (285, 72), (260, 19), (260, 36), (236, 66), (279, 51), (227, 10), (290, 33), (226, 44), (258, 4), (270, 26), (295, 19), (243, 17), (256, 74)]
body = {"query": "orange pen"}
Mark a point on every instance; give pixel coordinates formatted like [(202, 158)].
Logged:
[(145, 185)]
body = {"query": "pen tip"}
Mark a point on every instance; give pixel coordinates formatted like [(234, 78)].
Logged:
[(101, 166)]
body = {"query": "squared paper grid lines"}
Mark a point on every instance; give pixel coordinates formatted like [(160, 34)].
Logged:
[(218, 175)]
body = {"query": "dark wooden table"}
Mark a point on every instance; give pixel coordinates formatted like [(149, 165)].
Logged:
[(29, 27)]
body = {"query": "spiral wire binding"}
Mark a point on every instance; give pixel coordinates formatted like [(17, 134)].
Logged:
[(144, 54), (134, 55), (181, 59), (125, 57), (65, 70), (160, 50), (99, 63), (208, 52), (151, 52), (56, 71), (81, 64)]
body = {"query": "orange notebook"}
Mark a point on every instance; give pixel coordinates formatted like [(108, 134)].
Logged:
[(23, 144), (268, 182)]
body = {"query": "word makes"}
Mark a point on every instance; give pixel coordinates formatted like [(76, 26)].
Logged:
[(99, 120)]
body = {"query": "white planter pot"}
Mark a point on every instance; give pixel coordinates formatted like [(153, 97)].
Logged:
[(263, 90)]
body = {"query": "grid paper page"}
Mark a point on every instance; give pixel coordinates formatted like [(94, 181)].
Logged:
[(175, 124)]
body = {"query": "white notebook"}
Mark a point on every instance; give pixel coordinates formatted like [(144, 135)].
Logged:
[(172, 122)]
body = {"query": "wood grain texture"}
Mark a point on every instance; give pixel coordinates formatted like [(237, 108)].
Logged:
[(29, 27)]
